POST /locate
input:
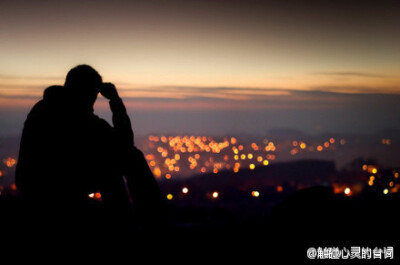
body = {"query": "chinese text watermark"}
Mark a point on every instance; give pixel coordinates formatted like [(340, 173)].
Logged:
[(354, 252)]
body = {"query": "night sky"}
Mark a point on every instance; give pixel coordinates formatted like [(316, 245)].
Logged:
[(219, 66)]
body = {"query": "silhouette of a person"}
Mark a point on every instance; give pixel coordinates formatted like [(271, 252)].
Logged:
[(67, 152)]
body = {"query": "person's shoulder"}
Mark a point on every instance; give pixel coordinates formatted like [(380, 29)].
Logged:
[(37, 110)]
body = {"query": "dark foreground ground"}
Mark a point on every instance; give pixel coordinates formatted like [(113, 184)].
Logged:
[(312, 217)]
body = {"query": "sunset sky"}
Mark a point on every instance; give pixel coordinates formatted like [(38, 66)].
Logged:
[(221, 65)]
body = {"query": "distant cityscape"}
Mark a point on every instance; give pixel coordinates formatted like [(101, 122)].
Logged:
[(359, 161), (179, 156)]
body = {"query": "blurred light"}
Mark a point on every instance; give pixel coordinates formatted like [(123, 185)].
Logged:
[(252, 166), (385, 191), (371, 182), (303, 146), (270, 157), (395, 189), (243, 156), (215, 194), (319, 148), (150, 157), (157, 172), (168, 176), (185, 190), (255, 193), (265, 162), (250, 156), (255, 147), (169, 196), (347, 191), (279, 188), (374, 170), (332, 140), (9, 161), (91, 195)]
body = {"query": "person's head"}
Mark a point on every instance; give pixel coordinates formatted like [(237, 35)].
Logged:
[(82, 84), (53, 93)]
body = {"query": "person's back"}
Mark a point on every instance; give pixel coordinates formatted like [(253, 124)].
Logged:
[(66, 151)]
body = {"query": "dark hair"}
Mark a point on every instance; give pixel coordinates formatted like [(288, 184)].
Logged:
[(84, 77)]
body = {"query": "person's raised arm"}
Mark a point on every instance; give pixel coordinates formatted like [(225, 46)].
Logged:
[(141, 183), (120, 118)]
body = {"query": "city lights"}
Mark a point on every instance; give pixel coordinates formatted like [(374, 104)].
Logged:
[(10, 162), (189, 155), (95, 195), (173, 157)]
